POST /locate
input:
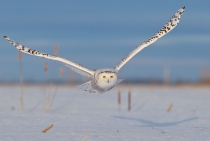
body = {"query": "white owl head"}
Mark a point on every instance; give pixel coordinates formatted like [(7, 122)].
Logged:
[(106, 78)]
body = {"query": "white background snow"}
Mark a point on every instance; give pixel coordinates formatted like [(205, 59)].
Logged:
[(80, 116)]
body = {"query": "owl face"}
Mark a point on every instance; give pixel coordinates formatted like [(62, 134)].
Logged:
[(106, 79)]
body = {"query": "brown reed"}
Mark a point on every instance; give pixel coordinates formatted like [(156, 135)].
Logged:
[(56, 50), (19, 55), (21, 81), (45, 86), (45, 67), (61, 72), (119, 100), (56, 89), (129, 100), (85, 138), (48, 128), (50, 97), (170, 107)]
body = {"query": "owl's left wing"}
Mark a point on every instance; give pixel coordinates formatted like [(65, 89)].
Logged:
[(172, 23), (86, 72)]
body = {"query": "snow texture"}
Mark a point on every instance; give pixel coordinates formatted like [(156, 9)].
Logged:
[(79, 116)]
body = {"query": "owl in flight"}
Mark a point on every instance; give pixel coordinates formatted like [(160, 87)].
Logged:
[(103, 80)]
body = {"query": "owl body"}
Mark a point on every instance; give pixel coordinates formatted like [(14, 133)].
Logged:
[(103, 80)]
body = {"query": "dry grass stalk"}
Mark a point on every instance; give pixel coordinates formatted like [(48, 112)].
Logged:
[(45, 67), (61, 72), (50, 97), (22, 102), (56, 89), (129, 100), (48, 128), (19, 55), (21, 81), (170, 107), (56, 49), (45, 86), (119, 99), (85, 138)]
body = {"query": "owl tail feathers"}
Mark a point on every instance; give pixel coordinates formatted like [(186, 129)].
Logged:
[(87, 87)]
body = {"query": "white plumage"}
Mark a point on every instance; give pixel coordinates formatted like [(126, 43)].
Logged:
[(103, 80)]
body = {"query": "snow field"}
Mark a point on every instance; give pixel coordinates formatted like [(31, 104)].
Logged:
[(79, 116)]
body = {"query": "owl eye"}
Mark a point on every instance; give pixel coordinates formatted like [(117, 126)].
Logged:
[(111, 76), (104, 76)]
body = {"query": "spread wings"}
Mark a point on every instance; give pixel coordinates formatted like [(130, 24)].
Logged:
[(165, 29), (88, 72)]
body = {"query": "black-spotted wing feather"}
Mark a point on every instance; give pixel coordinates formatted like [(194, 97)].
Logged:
[(48, 56), (172, 23)]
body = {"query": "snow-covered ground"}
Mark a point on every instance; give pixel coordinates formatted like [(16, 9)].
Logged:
[(79, 116)]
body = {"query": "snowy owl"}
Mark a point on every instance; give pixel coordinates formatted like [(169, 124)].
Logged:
[(103, 80)]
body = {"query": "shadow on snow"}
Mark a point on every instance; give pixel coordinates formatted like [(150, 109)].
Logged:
[(149, 123)]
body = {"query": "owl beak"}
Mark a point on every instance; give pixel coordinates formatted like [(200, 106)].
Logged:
[(108, 80)]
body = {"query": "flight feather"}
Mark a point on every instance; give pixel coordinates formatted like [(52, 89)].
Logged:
[(171, 24), (48, 56)]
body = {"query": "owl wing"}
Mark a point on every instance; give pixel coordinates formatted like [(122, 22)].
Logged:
[(24, 49), (165, 29), (81, 72)]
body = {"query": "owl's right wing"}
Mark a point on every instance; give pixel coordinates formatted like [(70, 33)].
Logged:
[(86, 71), (172, 23)]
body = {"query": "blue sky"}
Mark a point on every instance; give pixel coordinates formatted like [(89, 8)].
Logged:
[(98, 34)]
